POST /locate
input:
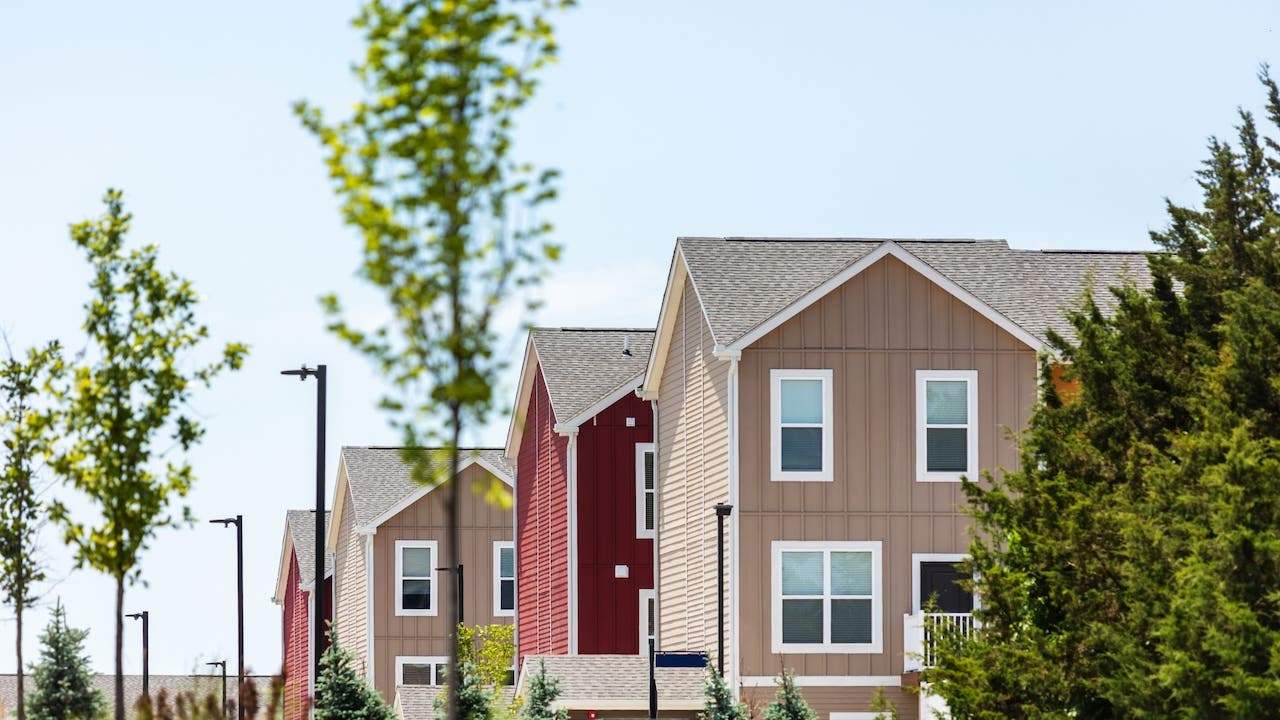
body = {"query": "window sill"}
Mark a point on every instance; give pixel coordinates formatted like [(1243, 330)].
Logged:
[(794, 476), (402, 612), (827, 648)]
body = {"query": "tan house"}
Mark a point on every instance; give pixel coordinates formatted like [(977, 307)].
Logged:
[(392, 591), (834, 392)]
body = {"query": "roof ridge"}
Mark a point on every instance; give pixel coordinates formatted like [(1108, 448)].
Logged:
[(592, 329)]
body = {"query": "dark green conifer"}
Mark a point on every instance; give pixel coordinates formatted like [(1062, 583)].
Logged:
[(63, 681)]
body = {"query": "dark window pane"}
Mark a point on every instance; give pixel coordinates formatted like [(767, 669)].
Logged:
[(508, 595), (801, 448), (801, 621), (417, 675), (948, 450), (649, 523), (507, 562), (850, 621), (416, 595), (648, 471), (940, 581)]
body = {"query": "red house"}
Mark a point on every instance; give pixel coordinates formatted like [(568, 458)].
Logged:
[(582, 444), (295, 581)]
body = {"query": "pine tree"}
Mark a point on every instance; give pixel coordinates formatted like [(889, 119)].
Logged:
[(63, 681), (720, 703), (788, 704), (542, 693), (475, 698), (342, 694)]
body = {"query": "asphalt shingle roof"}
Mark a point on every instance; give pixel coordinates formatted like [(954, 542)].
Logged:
[(379, 477), (201, 685), (618, 681), (742, 282), (417, 702), (582, 366), (302, 529)]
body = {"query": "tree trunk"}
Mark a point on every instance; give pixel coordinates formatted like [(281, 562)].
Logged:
[(120, 648), (451, 518), (22, 703)]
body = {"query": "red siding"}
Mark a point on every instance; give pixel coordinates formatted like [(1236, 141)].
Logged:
[(296, 624), (609, 607), (542, 555)]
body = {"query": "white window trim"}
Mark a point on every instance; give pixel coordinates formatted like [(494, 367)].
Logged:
[(645, 597), (777, 474), (402, 660), (916, 560), (922, 445), (641, 530), (498, 547), (877, 596), (401, 546)]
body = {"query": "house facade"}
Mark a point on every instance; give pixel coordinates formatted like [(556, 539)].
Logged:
[(294, 593), (393, 592), (834, 392), (581, 441)]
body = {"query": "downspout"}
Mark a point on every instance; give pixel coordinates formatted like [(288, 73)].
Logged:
[(572, 498)]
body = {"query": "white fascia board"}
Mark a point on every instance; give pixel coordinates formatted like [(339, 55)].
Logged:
[(603, 403), (368, 608), (524, 392), (671, 298), (282, 570), (890, 247), (339, 507)]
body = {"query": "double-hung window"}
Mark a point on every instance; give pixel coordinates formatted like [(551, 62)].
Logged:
[(946, 425), (416, 577), (827, 597), (801, 422), (504, 579), (646, 491), (421, 670)]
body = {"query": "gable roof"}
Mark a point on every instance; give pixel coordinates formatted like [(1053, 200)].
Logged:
[(418, 702), (583, 368), (380, 481), (616, 682), (299, 540)]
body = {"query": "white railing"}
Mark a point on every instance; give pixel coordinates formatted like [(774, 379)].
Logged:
[(920, 647)]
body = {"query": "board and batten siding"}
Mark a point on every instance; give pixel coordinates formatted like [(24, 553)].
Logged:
[(693, 475), (873, 332), (480, 525), (351, 612)]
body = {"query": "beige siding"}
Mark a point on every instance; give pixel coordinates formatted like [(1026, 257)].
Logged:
[(693, 472), (874, 332), (350, 612), (480, 526)]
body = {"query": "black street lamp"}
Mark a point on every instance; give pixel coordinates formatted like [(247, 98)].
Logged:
[(320, 372), (223, 663), (723, 510), (238, 521), (145, 616), (457, 571)]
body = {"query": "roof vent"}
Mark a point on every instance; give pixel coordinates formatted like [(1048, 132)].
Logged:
[(626, 345)]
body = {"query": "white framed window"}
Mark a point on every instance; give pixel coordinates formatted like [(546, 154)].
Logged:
[(646, 490), (504, 578), (648, 620), (416, 584), (801, 421), (419, 670), (946, 425), (827, 597), (931, 577)]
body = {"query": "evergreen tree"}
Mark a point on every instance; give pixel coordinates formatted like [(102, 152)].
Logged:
[(342, 694), (63, 681), (788, 704), (542, 692), (1131, 568), (475, 698), (720, 703)]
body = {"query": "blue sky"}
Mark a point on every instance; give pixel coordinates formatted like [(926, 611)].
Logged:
[(1060, 127)]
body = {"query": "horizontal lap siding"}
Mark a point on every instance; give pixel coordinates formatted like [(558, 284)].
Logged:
[(296, 645), (609, 607), (542, 556), (874, 332), (351, 610), (480, 525), (693, 475)]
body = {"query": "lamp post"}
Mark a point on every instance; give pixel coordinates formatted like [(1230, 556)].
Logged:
[(457, 571), (145, 617), (223, 663), (320, 372), (723, 511), (238, 521)]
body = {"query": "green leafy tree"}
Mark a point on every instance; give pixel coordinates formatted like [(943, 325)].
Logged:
[(491, 648), (720, 703), (540, 696), (129, 394), (63, 681), (788, 704), (1131, 568), (25, 430), (425, 171), (341, 693), (475, 697)]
